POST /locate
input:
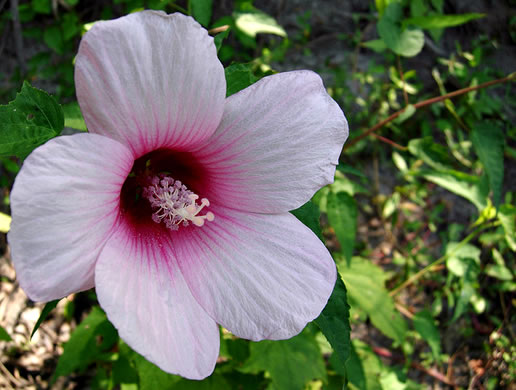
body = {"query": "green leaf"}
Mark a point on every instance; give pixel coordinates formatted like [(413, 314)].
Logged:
[(405, 42), (54, 39), (219, 38), (469, 187), (376, 45), (238, 77), (5, 223), (371, 365), (507, 217), (460, 255), (432, 153), (365, 283), (354, 370), (342, 214), (290, 363), (89, 341), (406, 114), (4, 336), (334, 321), (424, 324), (441, 21), (256, 22), (31, 119), (201, 11), (42, 6), (489, 141), (467, 291), (73, 117), (151, 377), (49, 306), (499, 272), (309, 214)]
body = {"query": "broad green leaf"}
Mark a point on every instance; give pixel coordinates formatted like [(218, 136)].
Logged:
[(372, 367), (42, 6), (201, 11), (459, 257), (432, 153), (73, 117), (5, 223), (54, 39), (425, 325), (469, 187), (238, 77), (289, 363), (366, 289), (499, 272), (334, 321), (4, 336), (507, 217), (256, 22), (219, 38), (49, 306), (354, 370), (28, 121), (441, 21), (406, 42), (309, 214), (489, 141), (89, 341), (342, 214)]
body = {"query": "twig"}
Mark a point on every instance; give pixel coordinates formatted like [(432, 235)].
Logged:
[(392, 143), (18, 41), (428, 102), (440, 260), (217, 30)]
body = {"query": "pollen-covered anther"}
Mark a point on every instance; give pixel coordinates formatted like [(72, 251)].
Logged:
[(174, 203)]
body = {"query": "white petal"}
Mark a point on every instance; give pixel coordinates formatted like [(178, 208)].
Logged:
[(260, 276), (278, 143), (145, 296), (150, 80), (64, 204)]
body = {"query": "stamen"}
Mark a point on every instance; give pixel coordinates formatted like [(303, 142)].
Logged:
[(174, 203)]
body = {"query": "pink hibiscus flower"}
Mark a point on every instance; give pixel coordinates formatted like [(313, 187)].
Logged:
[(175, 206)]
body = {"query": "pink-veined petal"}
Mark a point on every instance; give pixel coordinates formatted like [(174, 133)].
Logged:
[(260, 276), (278, 143), (64, 203), (150, 80), (146, 297)]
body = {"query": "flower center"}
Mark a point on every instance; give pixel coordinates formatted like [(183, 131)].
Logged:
[(174, 204)]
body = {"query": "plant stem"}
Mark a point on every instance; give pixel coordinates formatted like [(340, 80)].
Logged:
[(442, 259), (428, 102)]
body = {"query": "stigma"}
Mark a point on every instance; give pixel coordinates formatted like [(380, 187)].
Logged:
[(174, 204)]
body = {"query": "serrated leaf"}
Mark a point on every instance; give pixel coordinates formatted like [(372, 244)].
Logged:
[(489, 141), (49, 306), (31, 119), (201, 11), (507, 217), (309, 214), (469, 187), (424, 324), (94, 336), (342, 214), (290, 363), (441, 21), (334, 321), (238, 77), (365, 283), (4, 336), (5, 223), (257, 22)]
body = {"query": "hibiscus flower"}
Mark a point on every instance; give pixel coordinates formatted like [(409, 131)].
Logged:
[(175, 206)]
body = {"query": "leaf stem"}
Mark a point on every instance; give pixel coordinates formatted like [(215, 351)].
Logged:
[(442, 259), (428, 102)]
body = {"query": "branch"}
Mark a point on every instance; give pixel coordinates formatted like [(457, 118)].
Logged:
[(428, 102)]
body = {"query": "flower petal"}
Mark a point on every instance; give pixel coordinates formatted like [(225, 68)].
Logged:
[(145, 296), (64, 204), (278, 143), (260, 276), (150, 80)]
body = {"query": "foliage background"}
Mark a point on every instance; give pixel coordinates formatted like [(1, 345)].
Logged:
[(420, 219)]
